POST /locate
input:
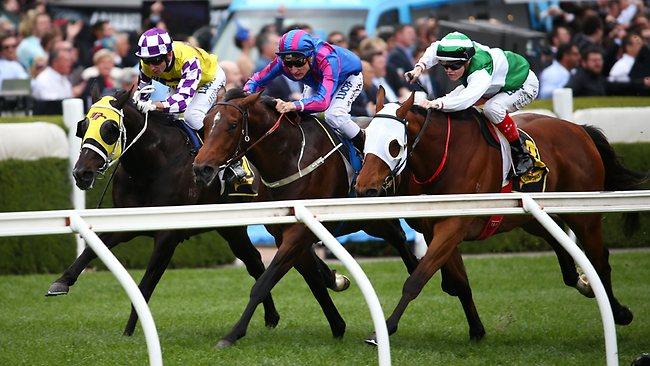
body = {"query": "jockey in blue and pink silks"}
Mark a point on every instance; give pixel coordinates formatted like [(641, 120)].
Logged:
[(331, 75)]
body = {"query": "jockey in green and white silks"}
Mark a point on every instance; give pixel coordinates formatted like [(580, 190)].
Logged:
[(502, 77)]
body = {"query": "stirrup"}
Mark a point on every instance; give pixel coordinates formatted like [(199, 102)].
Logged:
[(240, 179)]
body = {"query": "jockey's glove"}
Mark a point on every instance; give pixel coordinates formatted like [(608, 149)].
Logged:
[(145, 106), (413, 75), (433, 104)]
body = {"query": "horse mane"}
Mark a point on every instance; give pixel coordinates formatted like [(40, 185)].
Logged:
[(267, 101)]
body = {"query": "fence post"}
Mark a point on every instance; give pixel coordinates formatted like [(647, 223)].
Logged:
[(563, 103), (73, 112)]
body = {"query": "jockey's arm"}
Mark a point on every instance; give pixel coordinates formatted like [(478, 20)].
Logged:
[(186, 89), (264, 76), (477, 85)]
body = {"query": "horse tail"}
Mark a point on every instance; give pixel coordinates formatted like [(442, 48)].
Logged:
[(617, 176)]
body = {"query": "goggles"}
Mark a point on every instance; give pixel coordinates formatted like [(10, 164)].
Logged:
[(290, 61), (452, 65), (154, 60)]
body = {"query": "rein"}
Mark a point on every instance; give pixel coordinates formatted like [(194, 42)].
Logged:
[(444, 156), (244, 133)]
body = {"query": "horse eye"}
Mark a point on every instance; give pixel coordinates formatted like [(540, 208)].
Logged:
[(82, 127), (232, 126), (109, 132), (394, 149)]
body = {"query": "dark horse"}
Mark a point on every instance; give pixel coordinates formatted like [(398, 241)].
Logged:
[(155, 171), (579, 159), (279, 145)]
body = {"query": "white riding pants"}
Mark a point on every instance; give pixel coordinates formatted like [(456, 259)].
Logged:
[(495, 108), (204, 98)]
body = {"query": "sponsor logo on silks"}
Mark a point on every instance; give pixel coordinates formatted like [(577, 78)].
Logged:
[(343, 90)]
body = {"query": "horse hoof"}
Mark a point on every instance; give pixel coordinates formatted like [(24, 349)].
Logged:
[(584, 288), (127, 333), (341, 282), (623, 316), (271, 321), (224, 343), (476, 335), (58, 288), (372, 340)]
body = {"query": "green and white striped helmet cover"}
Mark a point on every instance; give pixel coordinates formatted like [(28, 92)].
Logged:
[(455, 46)]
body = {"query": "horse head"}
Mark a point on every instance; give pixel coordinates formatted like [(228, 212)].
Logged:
[(385, 148), (103, 136), (226, 134)]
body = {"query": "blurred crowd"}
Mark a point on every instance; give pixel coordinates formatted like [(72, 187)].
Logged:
[(595, 48)]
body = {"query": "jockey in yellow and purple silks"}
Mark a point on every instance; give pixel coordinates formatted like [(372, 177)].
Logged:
[(192, 73), (331, 75)]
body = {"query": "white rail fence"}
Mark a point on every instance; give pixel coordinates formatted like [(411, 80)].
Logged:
[(311, 213)]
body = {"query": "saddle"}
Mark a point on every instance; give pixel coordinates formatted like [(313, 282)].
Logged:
[(352, 156), (535, 179)]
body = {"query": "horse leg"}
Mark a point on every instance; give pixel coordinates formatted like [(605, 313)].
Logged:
[(295, 240), (165, 243), (391, 231), (588, 229), (567, 265), (332, 279), (61, 285), (309, 270), (448, 234), (241, 246), (456, 283)]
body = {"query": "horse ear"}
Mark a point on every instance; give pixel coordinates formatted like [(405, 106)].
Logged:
[(123, 98), (380, 99), (95, 93), (251, 99), (401, 111)]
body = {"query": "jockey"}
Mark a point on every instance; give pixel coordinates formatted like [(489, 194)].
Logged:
[(331, 75), (502, 77), (194, 76)]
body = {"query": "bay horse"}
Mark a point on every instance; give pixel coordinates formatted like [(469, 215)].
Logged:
[(155, 171), (453, 150), (283, 146)]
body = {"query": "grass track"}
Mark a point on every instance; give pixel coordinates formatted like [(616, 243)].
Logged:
[(530, 317)]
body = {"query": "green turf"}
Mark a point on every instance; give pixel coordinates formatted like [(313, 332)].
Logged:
[(530, 317)]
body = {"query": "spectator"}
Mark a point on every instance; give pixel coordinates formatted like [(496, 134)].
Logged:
[(588, 80), (52, 83), (557, 75), (620, 72), (427, 30), (374, 44), (128, 78), (356, 35), (560, 35), (245, 42), (234, 77), (391, 81), (104, 61), (104, 36), (155, 19), (337, 38), (11, 12), (36, 26), (627, 11), (401, 57), (592, 33), (426, 80), (38, 65), (124, 53), (10, 68)]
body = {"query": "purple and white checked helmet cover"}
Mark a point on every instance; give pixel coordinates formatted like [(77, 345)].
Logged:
[(154, 42)]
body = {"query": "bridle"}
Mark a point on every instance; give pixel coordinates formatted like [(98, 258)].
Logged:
[(240, 152)]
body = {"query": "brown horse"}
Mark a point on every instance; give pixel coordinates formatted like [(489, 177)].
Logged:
[(579, 159), (279, 145), (155, 171)]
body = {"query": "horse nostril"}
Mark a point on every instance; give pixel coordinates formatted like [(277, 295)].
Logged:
[(204, 172), (371, 192)]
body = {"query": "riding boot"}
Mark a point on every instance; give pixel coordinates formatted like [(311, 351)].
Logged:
[(239, 177), (359, 140), (192, 135), (523, 161)]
